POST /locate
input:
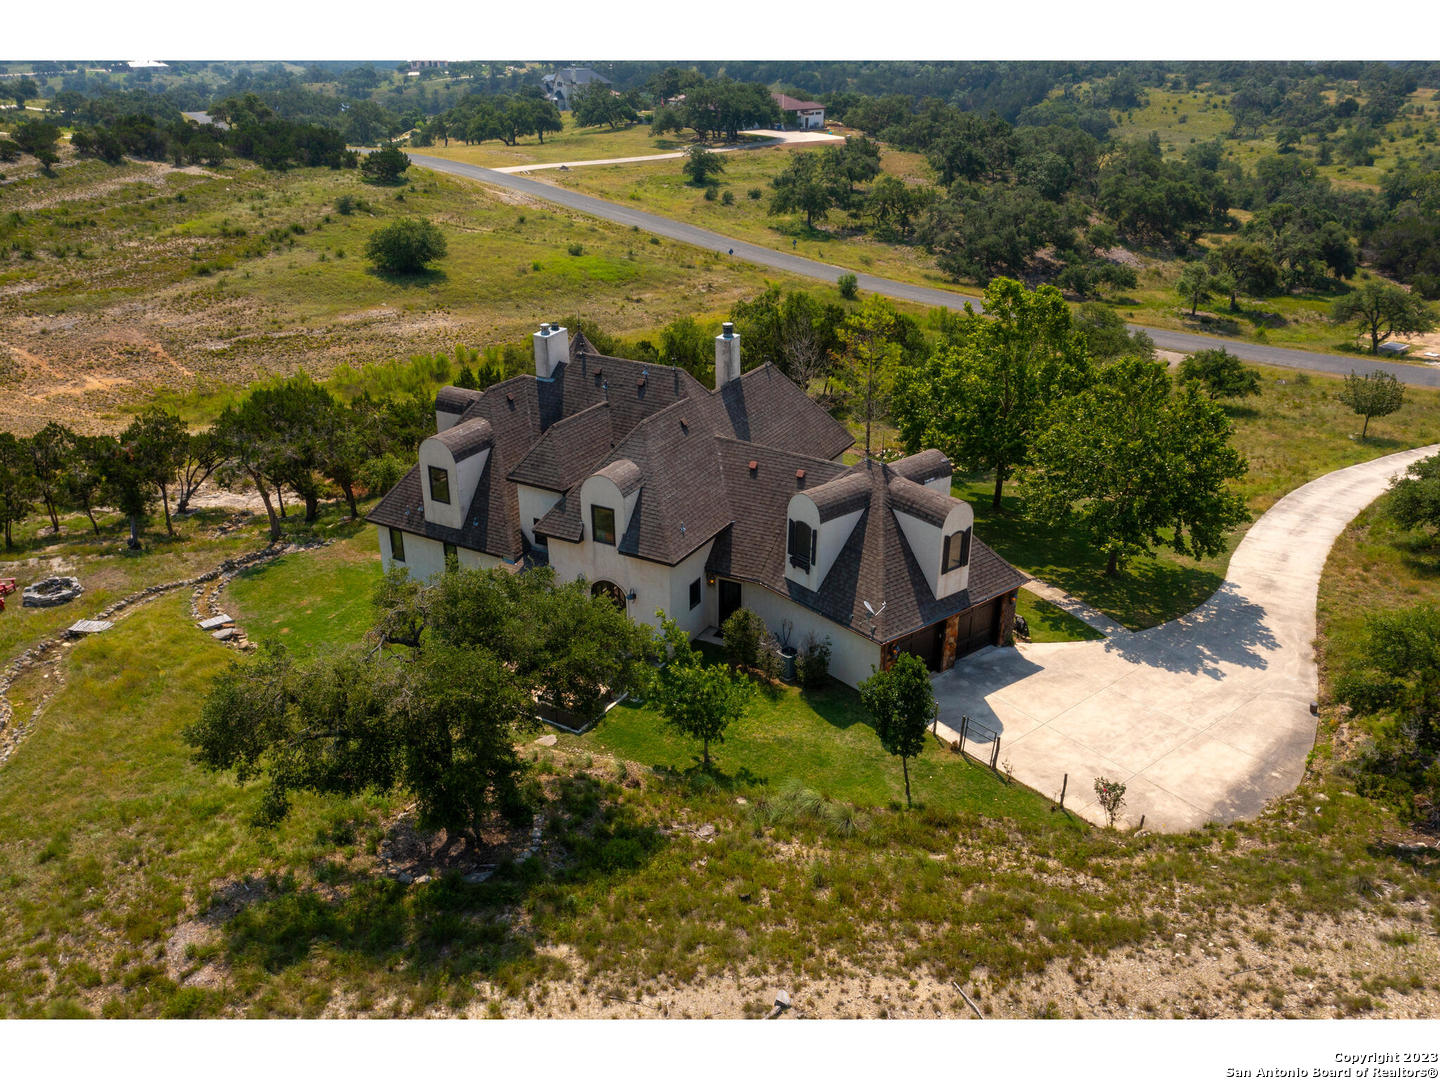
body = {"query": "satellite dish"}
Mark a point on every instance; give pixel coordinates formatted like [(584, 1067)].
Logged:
[(868, 608)]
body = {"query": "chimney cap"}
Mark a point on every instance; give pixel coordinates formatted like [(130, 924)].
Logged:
[(727, 329)]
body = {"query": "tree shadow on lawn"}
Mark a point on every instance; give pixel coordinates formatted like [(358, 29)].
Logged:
[(422, 279), (446, 926)]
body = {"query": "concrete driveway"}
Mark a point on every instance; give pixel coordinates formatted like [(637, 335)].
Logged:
[(1205, 718)]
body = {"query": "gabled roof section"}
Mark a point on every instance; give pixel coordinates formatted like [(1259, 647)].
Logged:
[(875, 564), (790, 104), (455, 399), (624, 474), (568, 450)]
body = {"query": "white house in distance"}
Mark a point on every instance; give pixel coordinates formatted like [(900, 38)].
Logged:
[(668, 496), (800, 114)]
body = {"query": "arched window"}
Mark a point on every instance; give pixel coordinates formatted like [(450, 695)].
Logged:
[(610, 589)]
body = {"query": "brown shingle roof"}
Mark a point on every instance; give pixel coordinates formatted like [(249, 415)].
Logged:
[(919, 501), (467, 438), (790, 104)]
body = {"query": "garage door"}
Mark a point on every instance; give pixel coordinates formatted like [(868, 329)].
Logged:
[(977, 628), (928, 644)]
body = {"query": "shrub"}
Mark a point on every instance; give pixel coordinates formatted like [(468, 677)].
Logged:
[(849, 286), (345, 204), (711, 192), (754, 193), (405, 246), (576, 249), (744, 634), (728, 198), (812, 666)]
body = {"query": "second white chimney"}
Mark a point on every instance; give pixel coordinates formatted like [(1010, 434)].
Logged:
[(727, 355), (552, 348)]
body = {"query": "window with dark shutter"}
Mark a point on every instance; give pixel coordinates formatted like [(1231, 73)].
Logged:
[(957, 551), (397, 545), (801, 546), (602, 525), (439, 485)]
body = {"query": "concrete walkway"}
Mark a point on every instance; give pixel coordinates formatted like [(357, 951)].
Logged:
[(1205, 718), (1073, 605)]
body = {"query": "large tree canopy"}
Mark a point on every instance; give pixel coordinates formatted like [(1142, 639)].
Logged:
[(982, 401), (1135, 464)]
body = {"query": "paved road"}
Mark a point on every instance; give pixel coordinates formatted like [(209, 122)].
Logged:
[(1175, 340), (1205, 718), (772, 138)]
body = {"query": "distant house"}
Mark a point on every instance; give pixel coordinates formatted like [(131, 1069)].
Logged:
[(666, 496), (561, 86), (800, 114)]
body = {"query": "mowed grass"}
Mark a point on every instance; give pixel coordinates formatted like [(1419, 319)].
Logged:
[(1295, 431), (823, 740), (1050, 623)]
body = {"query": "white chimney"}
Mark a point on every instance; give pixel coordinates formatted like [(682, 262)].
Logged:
[(552, 348), (727, 355)]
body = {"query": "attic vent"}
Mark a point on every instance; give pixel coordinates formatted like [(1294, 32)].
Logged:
[(510, 398), (800, 475), (752, 465), (684, 424)]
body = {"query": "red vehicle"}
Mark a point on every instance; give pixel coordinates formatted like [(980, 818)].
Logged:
[(7, 586)]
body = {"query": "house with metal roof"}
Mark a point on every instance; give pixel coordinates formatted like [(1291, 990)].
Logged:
[(668, 496)]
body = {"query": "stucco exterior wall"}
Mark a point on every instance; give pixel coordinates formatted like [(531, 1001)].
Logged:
[(853, 658), (656, 587), (424, 558), (535, 503), (464, 476)]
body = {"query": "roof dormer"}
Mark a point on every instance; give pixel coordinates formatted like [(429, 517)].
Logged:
[(451, 464), (818, 524), (607, 500), (938, 529)]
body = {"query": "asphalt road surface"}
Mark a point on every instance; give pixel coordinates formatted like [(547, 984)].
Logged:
[(1178, 341)]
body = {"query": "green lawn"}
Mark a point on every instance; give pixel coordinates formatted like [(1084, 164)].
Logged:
[(1294, 432), (1050, 623), (822, 739)]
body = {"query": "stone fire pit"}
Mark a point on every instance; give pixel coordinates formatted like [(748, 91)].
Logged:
[(52, 592)]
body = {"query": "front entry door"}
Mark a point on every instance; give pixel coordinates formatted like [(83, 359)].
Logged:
[(729, 599)]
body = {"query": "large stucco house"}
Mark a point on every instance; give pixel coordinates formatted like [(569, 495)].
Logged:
[(666, 495)]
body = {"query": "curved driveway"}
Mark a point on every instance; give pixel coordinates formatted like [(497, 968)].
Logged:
[(1205, 718), (899, 290)]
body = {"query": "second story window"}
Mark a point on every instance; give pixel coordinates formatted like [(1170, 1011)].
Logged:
[(802, 545), (439, 485), (602, 525), (957, 551)]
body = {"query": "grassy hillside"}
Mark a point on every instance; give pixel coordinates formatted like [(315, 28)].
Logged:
[(118, 280)]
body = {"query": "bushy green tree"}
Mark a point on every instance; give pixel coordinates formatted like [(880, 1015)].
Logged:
[(52, 449), (386, 165), (983, 402), (1220, 374), (1197, 284), (1134, 463), (1376, 393), (806, 187), (1415, 495), (701, 166), (18, 488), (406, 246), (697, 699), (901, 704)]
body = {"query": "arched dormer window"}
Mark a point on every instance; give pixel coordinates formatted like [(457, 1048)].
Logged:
[(957, 551), (802, 545)]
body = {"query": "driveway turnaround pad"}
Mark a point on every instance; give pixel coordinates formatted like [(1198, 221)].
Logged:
[(1205, 718)]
